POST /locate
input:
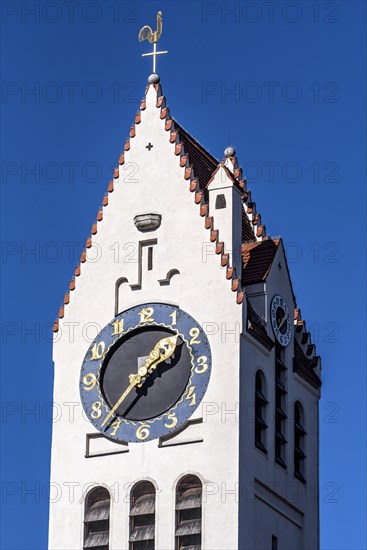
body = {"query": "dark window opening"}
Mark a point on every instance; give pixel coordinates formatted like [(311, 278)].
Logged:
[(150, 258), (97, 519), (274, 542), (188, 513), (299, 442), (280, 406), (142, 516), (220, 202), (260, 412)]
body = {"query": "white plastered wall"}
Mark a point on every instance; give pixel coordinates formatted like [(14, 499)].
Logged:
[(202, 290), (293, 518)]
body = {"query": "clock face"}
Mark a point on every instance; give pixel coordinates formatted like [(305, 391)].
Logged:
[(145, 373), (281, 320)]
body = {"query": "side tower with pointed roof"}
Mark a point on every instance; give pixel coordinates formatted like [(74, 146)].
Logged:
[(230, 460)]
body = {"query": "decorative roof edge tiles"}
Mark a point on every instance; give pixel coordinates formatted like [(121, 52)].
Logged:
[(303, 339), (199, 188), (174, 130), (306, 367), (230, 164)]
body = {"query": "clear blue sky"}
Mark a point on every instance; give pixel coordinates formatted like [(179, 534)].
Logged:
[(282, 82)]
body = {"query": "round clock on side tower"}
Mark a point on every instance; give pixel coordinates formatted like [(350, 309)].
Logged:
[(281, 320)]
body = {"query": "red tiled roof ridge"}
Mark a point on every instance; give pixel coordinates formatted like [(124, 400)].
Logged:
[(252, 244), (183, 130)]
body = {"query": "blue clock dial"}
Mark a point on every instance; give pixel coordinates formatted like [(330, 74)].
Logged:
[(281, 320), (145, 373)]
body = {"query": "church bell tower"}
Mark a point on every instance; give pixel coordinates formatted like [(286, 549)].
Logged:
[(190, 417)]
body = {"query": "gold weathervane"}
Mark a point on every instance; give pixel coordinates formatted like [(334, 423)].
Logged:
[(146, 33)]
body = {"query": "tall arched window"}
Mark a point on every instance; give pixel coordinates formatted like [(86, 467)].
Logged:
[(260, 412), (97, 519), (299, 442), (142, 516), (188, 513), (280, 406)]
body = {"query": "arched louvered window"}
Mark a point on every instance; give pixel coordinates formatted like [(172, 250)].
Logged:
[(97, 519), (142, 516), (188, 513), (260, 412), (299, 442)]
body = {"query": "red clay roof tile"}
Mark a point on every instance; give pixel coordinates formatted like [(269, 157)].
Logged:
[(257, 260), (204, 164)]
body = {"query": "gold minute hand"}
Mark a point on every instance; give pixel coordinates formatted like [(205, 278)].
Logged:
[(161, 352)]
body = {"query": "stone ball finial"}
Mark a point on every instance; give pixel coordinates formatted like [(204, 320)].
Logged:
[(154, 78), (229, 152)]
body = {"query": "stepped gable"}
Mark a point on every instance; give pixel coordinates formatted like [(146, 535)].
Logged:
[(306, 361), (258, 250)]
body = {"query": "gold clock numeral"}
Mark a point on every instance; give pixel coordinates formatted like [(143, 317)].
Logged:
[(98, 350), (96, 410), (89, 381), (142, 432), (173, 419), (194, 333), (146, 315), (174, 317), (115, 426), (118, 327), (202, 364), (191, 396)]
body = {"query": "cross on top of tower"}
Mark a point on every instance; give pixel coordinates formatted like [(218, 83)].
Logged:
[(146, 33)]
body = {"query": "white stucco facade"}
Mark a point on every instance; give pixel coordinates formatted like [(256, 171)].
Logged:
[(224, 456)]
